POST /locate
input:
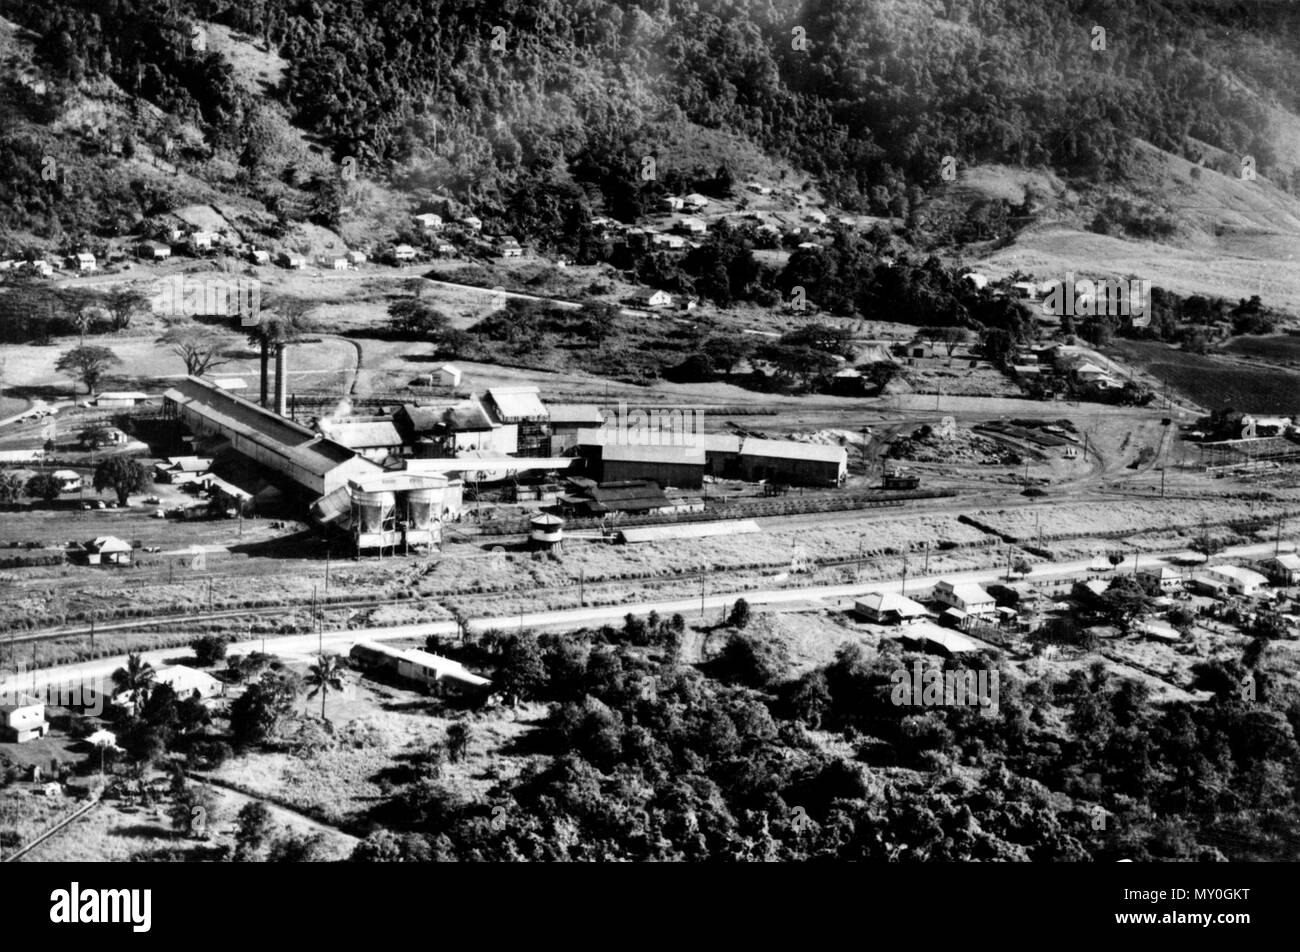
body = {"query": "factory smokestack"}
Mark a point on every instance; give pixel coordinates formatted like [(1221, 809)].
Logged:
[(281, 381)]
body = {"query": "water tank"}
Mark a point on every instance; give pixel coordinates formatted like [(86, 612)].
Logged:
[(545, 531)]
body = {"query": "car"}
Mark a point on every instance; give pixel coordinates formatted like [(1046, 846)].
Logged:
[(152, 501), (159, 514), (152, 549), (86, 505), (100, 504)]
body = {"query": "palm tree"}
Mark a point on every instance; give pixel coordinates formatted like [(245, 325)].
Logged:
[(279, 325), (137, 676), (323, 676)]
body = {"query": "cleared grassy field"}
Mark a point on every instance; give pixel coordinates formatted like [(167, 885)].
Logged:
[(1277, 347), (1215, 382)]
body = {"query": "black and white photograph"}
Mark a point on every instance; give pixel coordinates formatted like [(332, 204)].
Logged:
[(650, 431)]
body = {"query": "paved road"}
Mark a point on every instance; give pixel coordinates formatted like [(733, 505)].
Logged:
[(305, 647)]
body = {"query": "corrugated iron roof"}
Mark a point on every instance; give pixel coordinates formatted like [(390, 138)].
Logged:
[(789, 449), (362, 434), (515, 404)]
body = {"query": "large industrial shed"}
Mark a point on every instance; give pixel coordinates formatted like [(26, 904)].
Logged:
[(313, 462), (681, 466), (666, 464), (799, 464)]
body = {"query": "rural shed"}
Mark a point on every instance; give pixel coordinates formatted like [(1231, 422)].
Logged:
[(632, 496), (119, 399), (107, 550), (929, 637)]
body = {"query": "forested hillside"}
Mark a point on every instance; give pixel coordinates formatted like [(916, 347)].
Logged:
[(541, 113)]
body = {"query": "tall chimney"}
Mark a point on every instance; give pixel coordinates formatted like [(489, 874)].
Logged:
[(281, 381)]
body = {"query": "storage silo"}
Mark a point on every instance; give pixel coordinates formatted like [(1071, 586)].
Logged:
[(423, 509), (374, 519), (545, 531)]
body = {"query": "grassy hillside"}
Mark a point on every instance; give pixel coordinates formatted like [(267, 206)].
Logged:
[(539, 116)]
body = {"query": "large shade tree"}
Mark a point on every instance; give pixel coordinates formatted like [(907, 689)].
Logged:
[(87, 363), (121, 474)]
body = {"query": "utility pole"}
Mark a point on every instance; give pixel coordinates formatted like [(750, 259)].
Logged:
[(209, 596), (702, 579), (327, 571), (903, 590), (582, 580), (92, 634), (926, 570), (1277, 537)]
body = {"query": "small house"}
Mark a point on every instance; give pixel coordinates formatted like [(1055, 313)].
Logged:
[(654, 298), (355, 258), (889, 608), (185, 681), (671, 203), (83, 261), (22, 719), (966, 597), (1165, 578), (69, 480), (429, 221), (258, 256), (690, 226), (292, 261), (153, 251), (472, 222), (671, 242), (404, 253), (1239, 581), (203, 240), (695, 201), (1283, 569)]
